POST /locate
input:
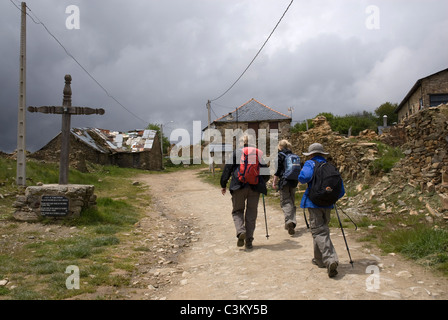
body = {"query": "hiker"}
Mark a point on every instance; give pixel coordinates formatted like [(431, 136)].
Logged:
[(245, 196), (287, 186), (324, 252)]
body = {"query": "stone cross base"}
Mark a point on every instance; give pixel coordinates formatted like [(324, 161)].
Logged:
[(54, 201)]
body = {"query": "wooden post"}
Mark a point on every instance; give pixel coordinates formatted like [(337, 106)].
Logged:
[(21, 123), (66, 110)]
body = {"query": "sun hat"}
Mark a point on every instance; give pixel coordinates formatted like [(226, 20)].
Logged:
[(315, 148)]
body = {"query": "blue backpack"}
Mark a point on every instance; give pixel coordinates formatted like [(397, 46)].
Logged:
[(292, 166)]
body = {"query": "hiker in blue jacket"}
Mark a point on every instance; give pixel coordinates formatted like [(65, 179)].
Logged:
[(324, 252), (287, 188)]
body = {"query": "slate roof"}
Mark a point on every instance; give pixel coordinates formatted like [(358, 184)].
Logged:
[(253, 111)]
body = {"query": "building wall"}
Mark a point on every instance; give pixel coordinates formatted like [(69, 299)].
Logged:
[(284, 127), (146, 160), (435, 84)]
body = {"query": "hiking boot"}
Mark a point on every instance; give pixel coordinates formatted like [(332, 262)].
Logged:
[(332, 272), (249, 244), (320, 265), (241, 238), (290, 227)]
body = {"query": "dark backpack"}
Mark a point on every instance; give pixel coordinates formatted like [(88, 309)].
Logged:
[(292, 166), (326, 184), (249, 170)]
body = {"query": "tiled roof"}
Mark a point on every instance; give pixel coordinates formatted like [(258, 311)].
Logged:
[(253, 110)]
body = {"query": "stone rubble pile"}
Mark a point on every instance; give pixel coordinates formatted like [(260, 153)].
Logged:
[(352, 156), (421, 177)]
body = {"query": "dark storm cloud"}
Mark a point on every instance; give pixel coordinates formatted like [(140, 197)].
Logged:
[(164, 59)]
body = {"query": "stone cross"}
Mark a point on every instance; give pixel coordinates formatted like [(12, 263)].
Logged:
[(66, 110)]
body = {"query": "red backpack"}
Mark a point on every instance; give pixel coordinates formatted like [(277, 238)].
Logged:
[(250, 165)]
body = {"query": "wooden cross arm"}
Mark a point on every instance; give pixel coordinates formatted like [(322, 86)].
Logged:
[(69, 110)]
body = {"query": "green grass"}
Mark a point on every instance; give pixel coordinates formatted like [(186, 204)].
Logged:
[(387, 157), (424, 244), (37, 269)]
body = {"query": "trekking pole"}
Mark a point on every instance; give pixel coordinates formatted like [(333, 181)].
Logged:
[(356, 226), (265, 219), (306, 221), (343, 234)]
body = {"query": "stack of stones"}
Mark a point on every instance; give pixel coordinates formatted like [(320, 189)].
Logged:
[(426, 149), (352, 157)]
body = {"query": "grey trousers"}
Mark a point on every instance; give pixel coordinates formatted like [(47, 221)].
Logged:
[(324, 251), (287, 202), (245, 210)]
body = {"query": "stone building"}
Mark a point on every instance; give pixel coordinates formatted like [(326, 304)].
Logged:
[(135, 149), (430, 91), (256, 116)]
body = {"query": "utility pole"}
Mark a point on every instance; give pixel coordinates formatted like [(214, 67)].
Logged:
[(21, 121), (210, 165)]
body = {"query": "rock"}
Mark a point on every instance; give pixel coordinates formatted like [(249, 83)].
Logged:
[(432, 211), (444, 200), (3, 282), (183, 282), (404, 274)]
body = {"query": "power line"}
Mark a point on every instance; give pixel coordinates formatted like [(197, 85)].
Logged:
[(77, 62), (255, 55)]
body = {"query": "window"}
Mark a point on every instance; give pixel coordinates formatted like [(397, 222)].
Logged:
[(436, 99)]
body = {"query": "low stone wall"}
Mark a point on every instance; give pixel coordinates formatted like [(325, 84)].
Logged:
[(58, 201), (352, 156)]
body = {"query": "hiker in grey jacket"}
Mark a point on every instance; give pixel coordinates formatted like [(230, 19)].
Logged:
[(324, 252), (286, 188), (245, 198)]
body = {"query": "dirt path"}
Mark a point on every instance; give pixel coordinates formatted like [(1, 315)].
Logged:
[(278, 268)]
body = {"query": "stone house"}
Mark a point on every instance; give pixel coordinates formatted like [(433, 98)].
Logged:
[(256, 116), (430, 91), (135, 149)]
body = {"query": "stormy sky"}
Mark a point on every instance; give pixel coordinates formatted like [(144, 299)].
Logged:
[(162, 60)]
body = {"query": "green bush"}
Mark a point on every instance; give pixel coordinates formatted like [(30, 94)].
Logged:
[(388, 157)]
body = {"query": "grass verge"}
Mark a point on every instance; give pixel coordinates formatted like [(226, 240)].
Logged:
[(34, 257)]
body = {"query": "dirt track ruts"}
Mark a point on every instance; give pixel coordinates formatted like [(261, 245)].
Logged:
[(278, 268)]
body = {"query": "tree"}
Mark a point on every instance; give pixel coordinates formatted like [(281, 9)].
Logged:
[(387, 109)]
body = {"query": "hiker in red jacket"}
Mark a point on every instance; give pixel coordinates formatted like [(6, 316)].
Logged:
[(245, 195)]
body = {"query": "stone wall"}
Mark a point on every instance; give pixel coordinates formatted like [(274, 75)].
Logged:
[(426, 148), (352, 156), (283, 127), (28, 207)]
